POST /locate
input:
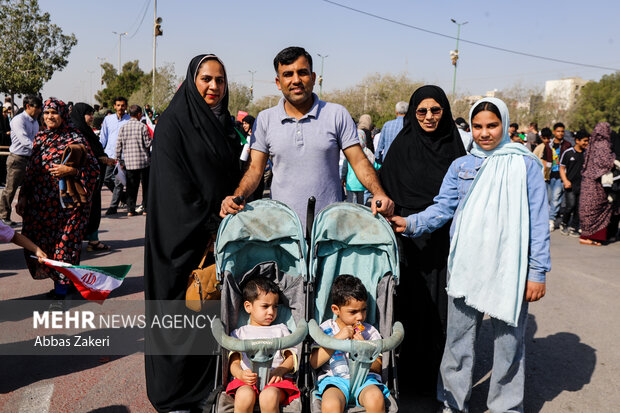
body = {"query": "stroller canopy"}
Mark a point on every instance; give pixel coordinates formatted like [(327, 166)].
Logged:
[(348, 239)]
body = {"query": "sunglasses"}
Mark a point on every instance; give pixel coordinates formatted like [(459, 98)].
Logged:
[(435, 110)]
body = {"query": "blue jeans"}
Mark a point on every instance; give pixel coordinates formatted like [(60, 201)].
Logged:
[(457, 365), (555, 191)]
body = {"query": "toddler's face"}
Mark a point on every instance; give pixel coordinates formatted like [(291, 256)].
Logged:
[(353, 312), (263, 310)]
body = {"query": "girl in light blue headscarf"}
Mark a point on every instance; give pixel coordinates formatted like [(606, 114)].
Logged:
[(499, 254)]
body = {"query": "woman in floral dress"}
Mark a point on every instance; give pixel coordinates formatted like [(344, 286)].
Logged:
[(57, 230)]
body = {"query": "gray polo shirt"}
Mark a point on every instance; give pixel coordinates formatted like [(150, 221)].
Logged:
[(305, 152)]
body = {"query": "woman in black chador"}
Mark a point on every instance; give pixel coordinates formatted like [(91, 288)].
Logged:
[(194, 166), (411, 175)]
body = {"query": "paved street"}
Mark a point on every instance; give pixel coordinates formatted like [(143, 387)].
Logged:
[(573, 364)]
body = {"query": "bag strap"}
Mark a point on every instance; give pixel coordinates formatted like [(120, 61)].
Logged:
[(204, 256)]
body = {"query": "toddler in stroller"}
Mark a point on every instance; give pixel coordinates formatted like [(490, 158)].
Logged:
[(264, 242), (349, 239), (349, 302), (261, 303)]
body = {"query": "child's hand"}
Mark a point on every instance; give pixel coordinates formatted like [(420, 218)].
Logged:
[(399, 224), (534, 291), (39, 253), (248, 377), (358, 336), (276, 375), (345, 333)]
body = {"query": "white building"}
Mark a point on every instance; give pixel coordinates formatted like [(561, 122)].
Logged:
[(564, 91)]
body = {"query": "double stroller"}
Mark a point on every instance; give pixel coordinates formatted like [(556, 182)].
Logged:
[(266, 239)]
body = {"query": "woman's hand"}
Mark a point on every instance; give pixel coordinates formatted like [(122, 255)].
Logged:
[(106, 161), (534, 291), (20, 208), (399, 224), (62, 171)]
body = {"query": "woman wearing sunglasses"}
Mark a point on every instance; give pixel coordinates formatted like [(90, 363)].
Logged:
[(412, 174)]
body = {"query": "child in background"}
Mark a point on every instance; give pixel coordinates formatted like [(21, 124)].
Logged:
[(349, 297), (260, 297), (570, 172), (498, 199), (8, 234)]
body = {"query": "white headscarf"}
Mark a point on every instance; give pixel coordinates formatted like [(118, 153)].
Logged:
[(489, 251)]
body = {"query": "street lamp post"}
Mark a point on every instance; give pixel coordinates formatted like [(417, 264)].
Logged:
[(252, 84), (321, 75), (454, 54), (119, 49), (101, 60)]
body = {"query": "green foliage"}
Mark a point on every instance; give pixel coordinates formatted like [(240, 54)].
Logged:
[(376, 95), (598, 102), (125, 84), (31, 47), (166, 83), (239, 98)]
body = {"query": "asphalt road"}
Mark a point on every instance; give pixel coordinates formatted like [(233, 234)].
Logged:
[(573, 364)]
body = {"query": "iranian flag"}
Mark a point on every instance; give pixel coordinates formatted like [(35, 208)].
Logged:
[(94, 283)]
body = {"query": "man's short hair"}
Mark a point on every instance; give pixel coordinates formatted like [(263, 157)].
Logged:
[(32, 100), (581, 134), (135, 111), (515, 125), (257, 286), (559, 125), (546, 132), (347, 287), (120, 99), (289, 55), (402, 108)]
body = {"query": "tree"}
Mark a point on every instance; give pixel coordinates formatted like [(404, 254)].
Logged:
[(263, 103), (239, 98), (124, 84), (598, 102), (166, 83), (31, 47), (376, 95)]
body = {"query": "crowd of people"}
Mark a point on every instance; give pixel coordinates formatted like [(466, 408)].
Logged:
[(438, 180)]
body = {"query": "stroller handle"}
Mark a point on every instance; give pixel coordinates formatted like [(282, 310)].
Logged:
[(263, 345), (356, 346)]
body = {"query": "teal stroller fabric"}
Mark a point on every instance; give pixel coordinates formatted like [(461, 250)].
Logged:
[(348, 239), (264, 239)]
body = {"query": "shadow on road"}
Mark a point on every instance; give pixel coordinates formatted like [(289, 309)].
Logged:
[(111, 409), (553, 364)]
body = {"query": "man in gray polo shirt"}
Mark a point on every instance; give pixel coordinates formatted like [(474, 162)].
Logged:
[(24, 128), (303, 136)]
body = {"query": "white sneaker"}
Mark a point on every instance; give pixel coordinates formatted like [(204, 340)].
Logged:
[(551, 225)]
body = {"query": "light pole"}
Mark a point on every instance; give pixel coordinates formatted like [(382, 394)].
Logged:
[(252, 84), (321, 75), (157, 31), (119, 49), (454, 54)]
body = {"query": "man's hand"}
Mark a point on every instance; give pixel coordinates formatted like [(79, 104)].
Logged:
[(387, 205), (104, 160), (399, 224), (248, 377), (229, 206), (534, 291), (567, 184)]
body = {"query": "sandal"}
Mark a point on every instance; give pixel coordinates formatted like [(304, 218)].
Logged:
[(98, 246), (589, 242)]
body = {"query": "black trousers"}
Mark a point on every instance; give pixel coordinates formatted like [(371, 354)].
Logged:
[(570, 214), (134, 177)]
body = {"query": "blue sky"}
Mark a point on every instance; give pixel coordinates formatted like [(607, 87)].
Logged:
[(247, 35)]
